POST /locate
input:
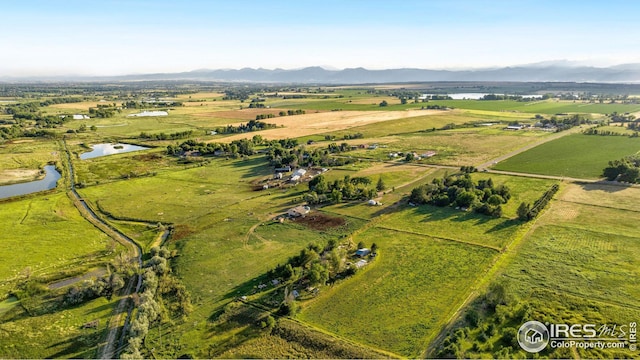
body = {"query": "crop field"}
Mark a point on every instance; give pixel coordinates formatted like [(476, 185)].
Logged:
[(392, 304), (578, 156)]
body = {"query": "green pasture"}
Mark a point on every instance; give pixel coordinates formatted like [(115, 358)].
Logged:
[(577, 155), (49, 236), (398, 302)]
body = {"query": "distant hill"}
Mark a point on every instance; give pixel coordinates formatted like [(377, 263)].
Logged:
[(541, 72)]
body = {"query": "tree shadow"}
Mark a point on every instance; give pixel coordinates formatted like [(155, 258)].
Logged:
[(77, 344), (508, 223), (251, 167), (606, 186)]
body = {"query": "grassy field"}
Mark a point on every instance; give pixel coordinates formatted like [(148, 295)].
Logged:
[(469, 227), (49, 241), (571, 269), (64, 241), (24, 155), (456, 147), (392, 304), (579, 156), (54, 333)]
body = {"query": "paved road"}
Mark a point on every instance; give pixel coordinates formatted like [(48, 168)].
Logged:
[(109, 349)]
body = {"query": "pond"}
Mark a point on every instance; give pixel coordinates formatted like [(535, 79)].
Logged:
[(110, 149), (49, 182)]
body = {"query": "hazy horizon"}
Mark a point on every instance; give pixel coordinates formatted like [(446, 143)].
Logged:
[(79, 38)]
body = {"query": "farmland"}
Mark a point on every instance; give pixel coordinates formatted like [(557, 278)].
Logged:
[(221, 220), (579, 156), (566, 271)]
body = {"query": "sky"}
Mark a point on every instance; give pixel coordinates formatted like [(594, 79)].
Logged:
[(117, 37)]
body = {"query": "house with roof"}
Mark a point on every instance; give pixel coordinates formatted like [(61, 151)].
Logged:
[(363, 252), (298, 211)]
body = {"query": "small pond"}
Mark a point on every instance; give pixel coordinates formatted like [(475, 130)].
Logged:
[(110, 149)]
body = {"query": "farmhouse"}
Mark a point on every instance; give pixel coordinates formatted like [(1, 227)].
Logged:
[(363, 252), (429, 154), (283, 169), (360, 264), (514, 127), (298, 211), (298, 174), (80, 117)]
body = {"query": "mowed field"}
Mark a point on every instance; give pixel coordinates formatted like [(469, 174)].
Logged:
[(576, 155)]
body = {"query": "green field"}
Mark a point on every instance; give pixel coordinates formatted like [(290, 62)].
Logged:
[(577, 155), (569, 269), (64, 241), (393, 304), (64, 245)]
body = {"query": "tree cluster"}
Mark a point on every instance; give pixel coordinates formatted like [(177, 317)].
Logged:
[(252, 125), (279, 155), (356, 188), (292, 112), (616, 117), (528, 212), (567, 122), (626, 169), (163, 136), (483, 197), (105, 286), (235, 148), (314, 265), (161, 293), (103, 111)]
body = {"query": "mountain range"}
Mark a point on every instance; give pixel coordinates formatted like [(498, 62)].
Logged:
[(560, 71)]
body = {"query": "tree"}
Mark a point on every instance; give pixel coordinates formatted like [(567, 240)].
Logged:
[(523, 211), (380, 185), (465, 199), (336, 196), (403, 101), (384, 103), (374, 248), (361, 245), (318, 274)]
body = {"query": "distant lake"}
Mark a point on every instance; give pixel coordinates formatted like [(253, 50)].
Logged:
[(110, 149), (49, 182), (475, 96)]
